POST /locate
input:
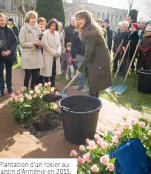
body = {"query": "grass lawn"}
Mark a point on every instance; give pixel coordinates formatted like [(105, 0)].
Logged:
[(131, 98)]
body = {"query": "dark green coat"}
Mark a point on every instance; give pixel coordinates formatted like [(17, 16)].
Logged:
[(98, 59)]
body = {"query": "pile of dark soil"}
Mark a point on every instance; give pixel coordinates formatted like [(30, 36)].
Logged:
[(51, 97), (50, 123)]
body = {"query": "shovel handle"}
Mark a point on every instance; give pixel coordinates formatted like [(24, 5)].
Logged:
[(132, 61), (122, 60), (71, 81), (117, 51)]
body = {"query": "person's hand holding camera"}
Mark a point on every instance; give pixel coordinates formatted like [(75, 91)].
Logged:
[(38, 43)]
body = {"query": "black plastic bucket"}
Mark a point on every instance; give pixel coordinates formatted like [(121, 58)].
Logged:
[(80, 116), (144, 81)]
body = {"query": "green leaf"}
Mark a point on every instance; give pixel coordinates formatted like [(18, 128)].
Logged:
[(22, 116), (148, 153), (112, 160)]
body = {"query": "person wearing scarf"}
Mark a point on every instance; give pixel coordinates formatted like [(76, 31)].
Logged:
[(32, 59)]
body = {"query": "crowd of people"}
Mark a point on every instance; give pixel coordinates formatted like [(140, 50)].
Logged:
[(85, 45)]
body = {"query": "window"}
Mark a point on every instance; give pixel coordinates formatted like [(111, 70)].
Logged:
[(108, 15), (13, 7), (94, 14), (98, 16), (2, 4), (103, 16), (112, 18)]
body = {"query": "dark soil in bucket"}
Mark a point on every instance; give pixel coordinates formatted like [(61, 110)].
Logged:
[(51, 97), (50, 123)]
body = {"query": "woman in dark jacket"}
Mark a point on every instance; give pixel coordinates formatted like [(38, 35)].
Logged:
[(96, 54), (145, 48)]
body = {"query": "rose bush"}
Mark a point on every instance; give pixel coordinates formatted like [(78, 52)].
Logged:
[(94, 156), (28, 103)]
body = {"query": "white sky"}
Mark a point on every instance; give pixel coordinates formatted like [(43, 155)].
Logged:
[(140, 5)]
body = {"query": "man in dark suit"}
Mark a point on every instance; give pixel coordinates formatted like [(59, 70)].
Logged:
[(70, 30), (11, 24), (8, 45), (106, 25)]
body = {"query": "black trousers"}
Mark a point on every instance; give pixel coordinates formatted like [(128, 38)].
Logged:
[(7, 63), (52, 78), (33, 75)]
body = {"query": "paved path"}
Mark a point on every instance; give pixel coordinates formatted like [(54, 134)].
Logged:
[(16, 142)]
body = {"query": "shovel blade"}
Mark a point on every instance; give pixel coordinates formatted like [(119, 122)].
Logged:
[(120, 89), (110, 89)]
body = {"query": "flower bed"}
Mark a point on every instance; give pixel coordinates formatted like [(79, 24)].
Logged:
[(94, 156), (30, 110)]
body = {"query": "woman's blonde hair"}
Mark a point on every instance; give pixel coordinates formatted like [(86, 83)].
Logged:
[(30, 14), (91, 25), (2, 15)]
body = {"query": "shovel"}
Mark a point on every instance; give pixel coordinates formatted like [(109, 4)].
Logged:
[(118, 49), (117, 71), (120, 89), (55, 97)]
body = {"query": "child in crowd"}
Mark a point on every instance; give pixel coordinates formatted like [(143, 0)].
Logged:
[(67, 63), (145, 48)]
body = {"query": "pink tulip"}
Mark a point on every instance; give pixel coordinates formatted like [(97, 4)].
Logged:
[(23, 88), (125, 125), (18, 92), (115, 139), (149, 132), (16, 99), (29, 97), (10, 99), (142, 124), (52, 89), (13, 94), (104, 159), (46, 92), (39, 85), (110, 167), (80, 160), (120, 129), (87, 140), (134, 122), (21, 100), (49, 83), (100, 141), (118, 133), (95, 168), (37, 91), (97, 137), (82, 148), (73, 153), (86, 157), (92, 145), (104, 145), (21, 96), (35, 95), (45, 84), (31, 92)]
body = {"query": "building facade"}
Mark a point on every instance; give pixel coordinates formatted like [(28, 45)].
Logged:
[(114, 14)]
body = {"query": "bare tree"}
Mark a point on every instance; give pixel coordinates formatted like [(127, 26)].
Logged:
[(148, 5), (130, 4), (23, 6)]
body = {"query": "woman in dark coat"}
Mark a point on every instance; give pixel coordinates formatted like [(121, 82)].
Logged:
[(96, 53), (145, 48)]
